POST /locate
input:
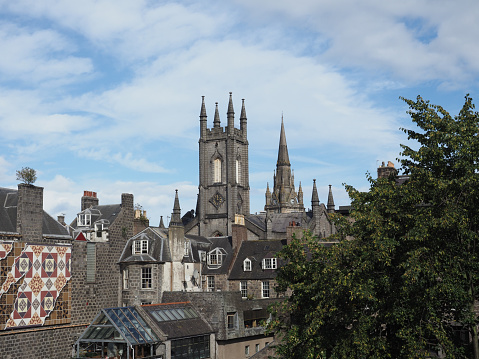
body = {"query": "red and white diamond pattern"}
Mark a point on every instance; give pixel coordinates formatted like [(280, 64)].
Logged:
[(46, 269)]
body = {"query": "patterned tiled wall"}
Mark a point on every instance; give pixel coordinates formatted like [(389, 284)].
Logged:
[(34, 284)]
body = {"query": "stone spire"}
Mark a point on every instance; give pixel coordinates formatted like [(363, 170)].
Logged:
[(283, 157), (216, 121), (162, 225), (176, 214), (315, 197), (330, 206), (300, 194)]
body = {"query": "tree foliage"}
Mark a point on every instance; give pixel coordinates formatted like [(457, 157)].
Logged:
[(406, 285), (27, 175)]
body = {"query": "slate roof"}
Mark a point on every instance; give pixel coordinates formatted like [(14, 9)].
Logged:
[(178, 328), (220, 242), (8, 216), (107, 212), (158, 247), (197, 243), (256, 251)]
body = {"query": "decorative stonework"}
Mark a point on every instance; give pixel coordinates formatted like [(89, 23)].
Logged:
[(33, 284), (217, 200)]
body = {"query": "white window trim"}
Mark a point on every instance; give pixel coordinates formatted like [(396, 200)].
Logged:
[(244, 288), (144, 279), (247, 265), (140, 246), (265, 289), (210, 282), (214, 258), (269, 263), (84, 219)]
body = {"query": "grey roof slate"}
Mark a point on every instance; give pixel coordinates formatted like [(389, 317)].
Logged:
[(256, 251), (158, 247), (225, 243), (107, 212), (8, 216)]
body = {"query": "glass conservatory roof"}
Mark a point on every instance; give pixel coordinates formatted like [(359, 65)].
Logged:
[(119, 325)]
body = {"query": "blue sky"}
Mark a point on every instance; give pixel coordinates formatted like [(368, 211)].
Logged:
[(105, 95)]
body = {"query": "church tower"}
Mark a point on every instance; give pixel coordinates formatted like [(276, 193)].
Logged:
[(224, 175), (283, 198)]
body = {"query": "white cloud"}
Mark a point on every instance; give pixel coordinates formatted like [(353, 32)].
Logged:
[(412, 40), (38, 55)]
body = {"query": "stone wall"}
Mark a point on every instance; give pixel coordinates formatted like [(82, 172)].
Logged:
[(47, 342)]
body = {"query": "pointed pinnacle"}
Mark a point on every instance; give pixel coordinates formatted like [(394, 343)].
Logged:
[(216, 121), (230, 104), (203, 108)]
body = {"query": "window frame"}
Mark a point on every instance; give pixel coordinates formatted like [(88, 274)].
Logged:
[(140, 246), (84, 219), (244, 288), (247, 265), (270, 263), (231, 320), (210, 283), (265, 289), (126, 278), (146, 278)]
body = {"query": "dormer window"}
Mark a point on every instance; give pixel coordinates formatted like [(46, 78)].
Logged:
[(99, 228), (84, 219), (269, 263), (215, 258), (247, 265), (140, 246)]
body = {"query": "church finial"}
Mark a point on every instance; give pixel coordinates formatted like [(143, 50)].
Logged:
[(230, 104), (203, 118), (243, 120), (162, 225), (243, 111), (330, 206), (216, 121), (315, 197), (203, 108), (231, 116), (176, 214)]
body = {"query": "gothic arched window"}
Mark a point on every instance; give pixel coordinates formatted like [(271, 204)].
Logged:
[(217, 170), (238, 171)]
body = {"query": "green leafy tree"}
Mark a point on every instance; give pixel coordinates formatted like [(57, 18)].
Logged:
[(27, 175), (406, 285)]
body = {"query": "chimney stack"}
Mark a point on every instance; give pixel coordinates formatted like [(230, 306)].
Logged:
[(384, 171), (30, 212), (88, 200)]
